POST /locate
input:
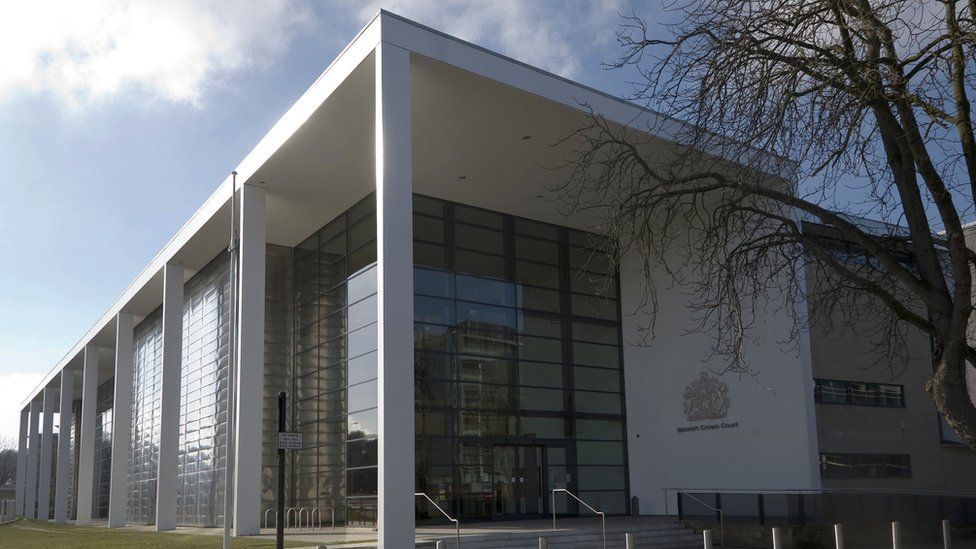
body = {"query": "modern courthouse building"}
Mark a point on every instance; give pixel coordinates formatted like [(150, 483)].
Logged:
[(439, 326)]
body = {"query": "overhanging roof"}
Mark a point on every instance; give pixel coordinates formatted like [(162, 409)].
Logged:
[(483, 129)]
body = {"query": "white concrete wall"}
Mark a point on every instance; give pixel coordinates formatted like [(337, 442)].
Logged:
[(772, 445)]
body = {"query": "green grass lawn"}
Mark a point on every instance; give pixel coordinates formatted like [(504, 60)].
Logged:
[(35, 534)]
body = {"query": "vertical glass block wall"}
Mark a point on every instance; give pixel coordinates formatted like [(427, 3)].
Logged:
[(105, 398), (518, 373), (203, 395), (144, 459), (279, 295), (334, 389)]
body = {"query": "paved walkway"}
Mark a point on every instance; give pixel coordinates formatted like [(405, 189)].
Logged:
[(359, 534)]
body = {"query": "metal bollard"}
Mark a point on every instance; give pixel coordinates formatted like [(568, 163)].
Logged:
[(543, 543), (629, 541), (839, 536), (777, 538), (707, 539), (946, 542), (896, 535)]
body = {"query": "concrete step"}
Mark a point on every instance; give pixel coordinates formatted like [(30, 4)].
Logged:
[(662, 537)]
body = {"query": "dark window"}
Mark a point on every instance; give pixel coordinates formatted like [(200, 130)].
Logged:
[(832, 391), (865, 466)]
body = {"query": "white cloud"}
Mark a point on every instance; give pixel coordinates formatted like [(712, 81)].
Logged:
[(554, 35), (16, 387), (82, 51)]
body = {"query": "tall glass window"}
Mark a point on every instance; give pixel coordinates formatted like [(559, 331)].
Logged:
[(334, 387), (518, 373), (104, 400), (144, 460), (203, 396)]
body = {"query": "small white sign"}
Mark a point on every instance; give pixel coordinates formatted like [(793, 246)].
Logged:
[(289, 441)]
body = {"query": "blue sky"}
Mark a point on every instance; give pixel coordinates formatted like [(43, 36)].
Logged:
[(118, 118)]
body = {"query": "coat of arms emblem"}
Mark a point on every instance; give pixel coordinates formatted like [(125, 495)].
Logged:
[(706, 398)]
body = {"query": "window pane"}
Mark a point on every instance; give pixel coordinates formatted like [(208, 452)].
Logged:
[(429, 255), (539, 348), (545, 251), (477, 238), (596, 333), (599, 453), (486, 316), (363, 424), (601, 478), (428, 229), (538, 298), (543, 427), (593, 354), (537, 274), (437, 283), (595, 307), (478, 217), (433, 310), (536, 229), (599, 429), (541, 374), (362, 396), (540, 324), (584, 282), (429, 206), (427, 337), (486, 290), (486, 370), (542, 399), (362, 368), (598, 403), (433, 366), (597, 379), (480, 264)]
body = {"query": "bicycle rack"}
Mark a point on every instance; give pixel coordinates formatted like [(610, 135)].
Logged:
[(307, 521), (317, 514), (288, 514), (266, 517)]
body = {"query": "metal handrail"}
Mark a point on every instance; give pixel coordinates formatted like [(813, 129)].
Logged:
[(269, 509), (457, 523), (721, 517), (603, 516), (318, 512)]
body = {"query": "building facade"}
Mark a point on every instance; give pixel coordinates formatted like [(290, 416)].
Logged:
[(437, 323)]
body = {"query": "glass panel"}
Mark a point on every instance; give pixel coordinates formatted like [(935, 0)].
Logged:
[(592, 354), (599, 453), (479, 264), (478, 217), (428, 229), (546, 251), (434, 283), (477, 238), (598, 403), (486, 290), (599, 429), (541, 374), (537, 274), (597, 379)]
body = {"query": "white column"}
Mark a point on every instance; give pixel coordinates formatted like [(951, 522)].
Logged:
[(21, 462), (33, 445), (44, 473), (394, 249), (169, 399), (250, 367), (121, 422), (86, 448), (63, 473)]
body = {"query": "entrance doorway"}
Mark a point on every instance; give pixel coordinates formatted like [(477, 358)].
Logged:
[(518, 477)]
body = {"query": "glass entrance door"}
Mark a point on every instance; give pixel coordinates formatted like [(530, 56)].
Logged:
[(518, 474)]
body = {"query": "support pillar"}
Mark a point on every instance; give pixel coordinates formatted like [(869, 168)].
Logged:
[(44, 473), (33, 447), (86, 448), (121, 422), (63, 473), (21, 482), (169, 400), (394, 250), (249, 376)]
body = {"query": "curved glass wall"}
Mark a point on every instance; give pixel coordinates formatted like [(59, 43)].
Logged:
[(203, 395), (105, 398), (518, 378), (334, 387), (144, 460)]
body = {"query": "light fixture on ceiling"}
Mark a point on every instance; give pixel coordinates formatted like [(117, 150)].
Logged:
[(526, 137), (462, 177)]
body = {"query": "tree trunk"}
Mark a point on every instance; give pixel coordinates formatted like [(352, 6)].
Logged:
[(948, 390)]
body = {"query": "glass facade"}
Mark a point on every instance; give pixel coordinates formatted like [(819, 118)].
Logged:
[(334, 385), (144, 459), (105, 398), (203, 396), (518, 371)]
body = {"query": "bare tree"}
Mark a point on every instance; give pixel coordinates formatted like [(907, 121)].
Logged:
[(8, 460), (859, 108)]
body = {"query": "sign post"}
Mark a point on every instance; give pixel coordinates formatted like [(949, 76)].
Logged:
[(280, 520)]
